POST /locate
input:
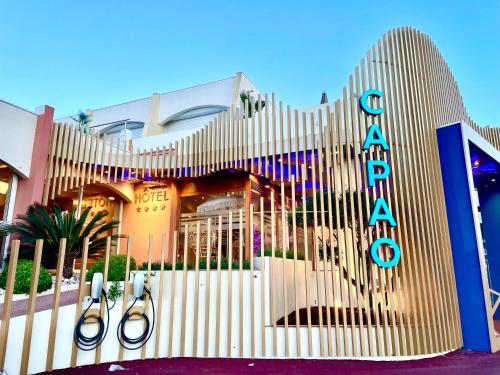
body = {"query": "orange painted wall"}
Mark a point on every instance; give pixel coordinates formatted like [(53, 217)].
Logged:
[(153, 211)]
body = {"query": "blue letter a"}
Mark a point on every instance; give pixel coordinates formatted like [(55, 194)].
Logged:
[(386, 214), (375, 137)]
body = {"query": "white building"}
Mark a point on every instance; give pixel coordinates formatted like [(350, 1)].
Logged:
[(161, 118)]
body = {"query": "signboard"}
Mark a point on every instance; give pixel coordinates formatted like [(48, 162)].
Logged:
[(378, 170)]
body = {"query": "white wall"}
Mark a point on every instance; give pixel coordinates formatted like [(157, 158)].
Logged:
[(17, 129)]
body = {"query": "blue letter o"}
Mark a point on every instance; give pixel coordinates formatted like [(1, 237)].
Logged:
[(395, 248)]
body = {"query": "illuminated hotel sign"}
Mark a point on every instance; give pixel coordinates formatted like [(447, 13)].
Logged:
[(378, 170), (151, 199)]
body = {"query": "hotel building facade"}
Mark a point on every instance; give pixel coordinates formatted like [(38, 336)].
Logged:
[(363, 227)]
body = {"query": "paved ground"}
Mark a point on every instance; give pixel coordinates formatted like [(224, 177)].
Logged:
[(457, 363), (42, 303)]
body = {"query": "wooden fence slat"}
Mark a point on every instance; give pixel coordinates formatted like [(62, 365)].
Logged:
[(7, 301)]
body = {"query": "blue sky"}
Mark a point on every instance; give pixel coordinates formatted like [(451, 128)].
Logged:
[(89, 54)]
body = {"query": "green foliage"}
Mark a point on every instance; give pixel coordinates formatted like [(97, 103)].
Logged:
[(246, 98), (116, 269), (23, 278), (5, 228), (83, 119), (224, 265), (53, 224), (278, 253), (114, 291)]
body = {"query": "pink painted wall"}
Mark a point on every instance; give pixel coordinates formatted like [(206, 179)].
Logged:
[(30, 190)]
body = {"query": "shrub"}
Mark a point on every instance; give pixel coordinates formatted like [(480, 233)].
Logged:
[(179, 266), (114, 291), (155, 266), (116, 270), (23, 278), (278, 253)]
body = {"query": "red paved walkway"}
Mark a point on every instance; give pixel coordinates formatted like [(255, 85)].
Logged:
[(42, 302), (457, 363)]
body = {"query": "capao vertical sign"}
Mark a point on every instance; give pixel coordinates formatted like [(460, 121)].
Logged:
[(378, 170)]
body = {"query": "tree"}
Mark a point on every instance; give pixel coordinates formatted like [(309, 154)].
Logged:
[(4, 229), (257, 105), (83, 119), (53, 224)]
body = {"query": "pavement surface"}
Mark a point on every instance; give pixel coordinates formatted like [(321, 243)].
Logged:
[(42, 303), (456, 363)]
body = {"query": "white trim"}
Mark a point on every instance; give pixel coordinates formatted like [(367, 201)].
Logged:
[(9, 203)]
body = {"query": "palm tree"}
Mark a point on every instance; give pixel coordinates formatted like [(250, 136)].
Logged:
[(53, 224), (4, 228), (246, 99), (83, 119)]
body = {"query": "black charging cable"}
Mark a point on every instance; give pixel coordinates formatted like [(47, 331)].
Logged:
[(134, 343), (88, 343)]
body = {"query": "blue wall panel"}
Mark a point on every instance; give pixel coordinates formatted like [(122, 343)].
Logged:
[(463, 239)]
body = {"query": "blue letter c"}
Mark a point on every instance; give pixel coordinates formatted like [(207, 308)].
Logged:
[(363, 101)]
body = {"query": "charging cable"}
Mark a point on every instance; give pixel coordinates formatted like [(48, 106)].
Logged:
[(133, 343), (88, 343)]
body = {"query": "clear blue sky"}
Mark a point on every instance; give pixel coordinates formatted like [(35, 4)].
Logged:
[(89, 54)]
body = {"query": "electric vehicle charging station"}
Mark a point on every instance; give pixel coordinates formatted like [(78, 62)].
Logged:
[(90, 315), (140, 288)]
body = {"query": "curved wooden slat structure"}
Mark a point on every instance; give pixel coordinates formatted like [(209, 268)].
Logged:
[(406, 310)]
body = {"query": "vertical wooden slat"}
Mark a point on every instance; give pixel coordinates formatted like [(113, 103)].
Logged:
[(30, 313), (315, 243), (159, 300), (49, 363), (7, 301), (184, 290), (229, 283), (271, 275), (196, 289), (323, 226), (57, 150), (63, 157), (218, 303), (306, 259), (148, 285), (284, 250), (207, 287), (262, 278), (81, 287), (125, 288), (69, 158), (172, 296), (295, 270), (240, 281), (105, 288), (252, 283), (329, 152)]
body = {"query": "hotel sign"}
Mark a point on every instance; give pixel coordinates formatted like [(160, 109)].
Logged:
[(378, 170), (151, 199)]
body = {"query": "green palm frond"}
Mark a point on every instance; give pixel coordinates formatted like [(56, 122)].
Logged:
[(247, 100), (52, 225), (5, 228)]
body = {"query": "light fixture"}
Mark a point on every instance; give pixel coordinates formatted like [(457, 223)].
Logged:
[(111, 198), (493, 180), (267, 186)]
